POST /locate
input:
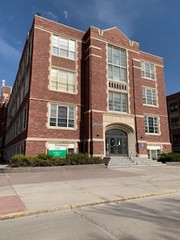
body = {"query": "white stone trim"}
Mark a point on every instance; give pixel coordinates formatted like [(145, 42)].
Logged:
[(94, 55), (141, 141), (151, 54), (137, 67), (137, 60), (92, 46), (112, 43), (98, 139), (50, 20), (54, 101), (51, 139), (158, 143), (67, 144), (153, 147)]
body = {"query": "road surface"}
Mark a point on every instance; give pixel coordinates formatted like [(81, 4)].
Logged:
[(153, 218)]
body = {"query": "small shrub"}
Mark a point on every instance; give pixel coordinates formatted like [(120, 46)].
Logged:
[(97, 160), (16, 160), (45, 156), (21, 161), (169, 157), (80, 159), (44, 160)]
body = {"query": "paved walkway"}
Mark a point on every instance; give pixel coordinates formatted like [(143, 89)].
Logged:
[(23, 193)]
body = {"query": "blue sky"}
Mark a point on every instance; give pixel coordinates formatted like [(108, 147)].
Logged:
[(155, 24)]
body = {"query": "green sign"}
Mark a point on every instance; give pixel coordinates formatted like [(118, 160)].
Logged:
[(57, 152)]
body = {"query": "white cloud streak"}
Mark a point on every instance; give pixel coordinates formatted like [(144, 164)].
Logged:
[(6, 18), (121, 13), (9, 51), (113, 13), (47, 14), (50, 15), (65, 14)]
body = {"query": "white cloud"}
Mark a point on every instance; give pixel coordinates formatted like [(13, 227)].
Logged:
[(19, 42), (116, 13), (9, 51), (7, 18), (50, 15), (122, 13), (65, 14), (47, 14)]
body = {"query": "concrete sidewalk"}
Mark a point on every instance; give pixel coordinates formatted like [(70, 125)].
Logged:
[(26, 193)]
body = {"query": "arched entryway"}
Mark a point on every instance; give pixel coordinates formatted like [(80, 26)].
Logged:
[(116, 142)]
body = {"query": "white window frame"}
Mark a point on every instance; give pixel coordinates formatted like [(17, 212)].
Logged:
[(154, 125), (63, 50), (149, 96), (57, 82), (154, 153), (147, 70), (57, 121), (119, 107), (120, 66)]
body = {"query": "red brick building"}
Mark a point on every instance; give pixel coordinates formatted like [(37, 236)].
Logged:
[(4, 98), (93, 92), (173, 104)]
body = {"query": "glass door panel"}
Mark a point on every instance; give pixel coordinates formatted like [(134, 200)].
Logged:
[(112, 145), (116, 142)]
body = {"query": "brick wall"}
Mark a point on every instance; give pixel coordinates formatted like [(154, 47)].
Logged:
[(91, 98)]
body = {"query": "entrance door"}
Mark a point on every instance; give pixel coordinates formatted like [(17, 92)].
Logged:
[(116, 142)]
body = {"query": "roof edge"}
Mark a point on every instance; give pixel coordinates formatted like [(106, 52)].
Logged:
[(37, 16)]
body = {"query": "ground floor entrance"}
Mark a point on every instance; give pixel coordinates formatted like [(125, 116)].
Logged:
[(116, 142)]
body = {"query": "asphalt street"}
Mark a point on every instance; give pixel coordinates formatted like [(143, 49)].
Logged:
[(27, 193), (151, 218)]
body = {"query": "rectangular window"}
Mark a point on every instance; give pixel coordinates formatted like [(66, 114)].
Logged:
[(118, 102), (25, 118), (151, 124), (176, 139), (27, 80), (63, 47), (62, 116), (147, 70), (149, 96), (22, 149), (117, 64), (21, 122), (173, 106), (70, 150), (154, 153), (63, 81), (175, 122)]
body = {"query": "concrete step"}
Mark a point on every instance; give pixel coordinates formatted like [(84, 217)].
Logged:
[(126, 162)]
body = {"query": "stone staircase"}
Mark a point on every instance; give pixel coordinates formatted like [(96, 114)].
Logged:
[(126, 162)]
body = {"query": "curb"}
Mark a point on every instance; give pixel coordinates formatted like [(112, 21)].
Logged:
[(174, 164), (75, 206), (48, 169)]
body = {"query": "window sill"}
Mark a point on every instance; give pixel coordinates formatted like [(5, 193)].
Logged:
[(61, 128), (74, 60), (153, 134), (117, 112), (146, 78), (58, 91), (148, 105)]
